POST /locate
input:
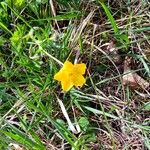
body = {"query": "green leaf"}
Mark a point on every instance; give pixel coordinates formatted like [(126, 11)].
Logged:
[(83, 122), (147, 106), (122, 38), (22, 138), (4, 27), (18, 34), (2, 41), (95, 111), (110, 17), (16, 3)]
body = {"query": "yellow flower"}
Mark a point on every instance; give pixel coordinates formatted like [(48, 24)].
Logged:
[(71, 75)]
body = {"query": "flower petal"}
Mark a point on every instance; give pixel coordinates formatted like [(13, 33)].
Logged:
[(68, 66), (59, 75), (78, 80), (80, 68), (66, 85)]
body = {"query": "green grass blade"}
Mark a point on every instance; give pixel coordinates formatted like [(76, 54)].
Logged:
[(95, 111), (110, 17), (5, 28)]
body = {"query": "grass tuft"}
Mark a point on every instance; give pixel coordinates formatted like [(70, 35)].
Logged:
[(37, 37)]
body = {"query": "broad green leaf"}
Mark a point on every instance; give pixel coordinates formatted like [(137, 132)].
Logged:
[(147, 106)]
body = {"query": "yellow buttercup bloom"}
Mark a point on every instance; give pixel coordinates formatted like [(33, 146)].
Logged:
[(71, 75)]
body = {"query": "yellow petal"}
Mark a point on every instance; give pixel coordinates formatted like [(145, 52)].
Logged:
[(80, 68), (66, 85), (78, 80), (59, 75), (68, 66)]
